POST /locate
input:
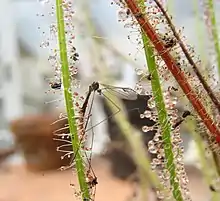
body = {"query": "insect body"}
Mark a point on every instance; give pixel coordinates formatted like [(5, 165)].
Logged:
[(92, 180), (75, 57), (149, 77), (178, 123), (93, 87), (56, 85), (184, 115), (128, 12), (172, 88), (138, 15), (211, 187), (169, 41)]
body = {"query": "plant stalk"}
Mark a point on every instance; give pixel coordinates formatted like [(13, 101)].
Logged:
[(174, 69), (69, 101), (189, 58), (162, 113)]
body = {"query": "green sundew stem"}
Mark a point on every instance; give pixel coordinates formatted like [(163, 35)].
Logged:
[(162, 114), (69, 101), (163, 118), (214, 31)]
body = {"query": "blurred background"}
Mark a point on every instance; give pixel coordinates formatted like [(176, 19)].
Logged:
[(25, 72)]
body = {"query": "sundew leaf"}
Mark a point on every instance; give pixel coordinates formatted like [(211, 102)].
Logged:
[(69, 100), (162, 113)]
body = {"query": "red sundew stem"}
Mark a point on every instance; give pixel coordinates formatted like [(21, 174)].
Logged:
[(174, 68), (189, 58)]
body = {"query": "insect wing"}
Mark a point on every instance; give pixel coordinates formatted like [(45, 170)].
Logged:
[(121, 92)]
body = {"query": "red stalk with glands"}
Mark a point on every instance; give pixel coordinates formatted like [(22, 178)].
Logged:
[(173, 68)]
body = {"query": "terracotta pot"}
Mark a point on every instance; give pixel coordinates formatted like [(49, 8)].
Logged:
[(34, 134)]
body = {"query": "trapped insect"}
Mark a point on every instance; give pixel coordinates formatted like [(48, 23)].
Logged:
[(56, 85), (91, 178), (185, 114), (169, 41), (121, 92), (75, 57), (149, 77), (138, 15), (213, 189), (128, 11), (172, 88)]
